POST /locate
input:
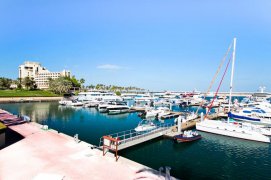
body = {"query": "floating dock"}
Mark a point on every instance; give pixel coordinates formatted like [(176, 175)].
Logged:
[(172, 115)]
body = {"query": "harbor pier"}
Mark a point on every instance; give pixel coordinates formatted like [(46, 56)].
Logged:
[(48, 154)]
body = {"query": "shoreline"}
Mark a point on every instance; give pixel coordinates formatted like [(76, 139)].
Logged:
[(28, 99)]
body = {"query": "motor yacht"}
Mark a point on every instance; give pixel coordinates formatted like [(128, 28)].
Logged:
[(145, 125), (75, 103), (117, 108), (101, 96), (163, 112), (93, 103), (251, 114), (144, 98)]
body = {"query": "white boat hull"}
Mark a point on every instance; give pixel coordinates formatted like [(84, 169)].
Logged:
[(102, 110), (118, 111), (144, 128), (76, 104), (64, 103), (152, 114), (221, 128)]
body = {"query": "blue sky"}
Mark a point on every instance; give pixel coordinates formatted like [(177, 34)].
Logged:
[(153, 44)]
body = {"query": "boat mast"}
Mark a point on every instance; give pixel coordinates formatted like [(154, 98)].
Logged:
[(232, 73)]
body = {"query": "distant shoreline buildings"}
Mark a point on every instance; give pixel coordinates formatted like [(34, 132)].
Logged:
[(40, 74)]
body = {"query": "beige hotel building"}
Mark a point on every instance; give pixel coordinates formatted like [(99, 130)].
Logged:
[(40, 74)]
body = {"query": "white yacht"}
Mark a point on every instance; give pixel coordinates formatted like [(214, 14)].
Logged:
[(93, 103), (101, 96), (117, 108), (65, 102), (69, 102), (128, 96), (251, 114), (102, 108), (67, 99), (154, 113), (163, 112), (237, 130), (144, 98), (75, 103), (264, 105), (145, 125), (151, 113)]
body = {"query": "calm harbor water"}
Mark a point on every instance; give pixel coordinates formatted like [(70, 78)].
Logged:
[(213, 157)]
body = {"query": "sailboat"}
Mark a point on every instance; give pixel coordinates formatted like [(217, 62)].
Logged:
[(246, 131)]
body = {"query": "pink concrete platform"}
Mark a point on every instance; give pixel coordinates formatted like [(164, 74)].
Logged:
[(45, 154)]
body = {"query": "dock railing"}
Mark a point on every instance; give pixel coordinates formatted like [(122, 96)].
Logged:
[(131, 135)]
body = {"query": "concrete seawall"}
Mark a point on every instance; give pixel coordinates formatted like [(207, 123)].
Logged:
[(28, 99)]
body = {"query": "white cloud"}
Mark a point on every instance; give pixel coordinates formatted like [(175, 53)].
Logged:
[(109, 67)]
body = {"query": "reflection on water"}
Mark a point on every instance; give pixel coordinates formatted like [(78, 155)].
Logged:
[(87, 122), (232, 142), (212, 157)]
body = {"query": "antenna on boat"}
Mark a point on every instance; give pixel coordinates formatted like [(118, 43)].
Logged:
[(232, 73)]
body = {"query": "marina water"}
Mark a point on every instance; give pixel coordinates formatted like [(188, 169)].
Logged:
[(213, 157)]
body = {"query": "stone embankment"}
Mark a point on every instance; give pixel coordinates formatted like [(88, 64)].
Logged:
[(28, 99)]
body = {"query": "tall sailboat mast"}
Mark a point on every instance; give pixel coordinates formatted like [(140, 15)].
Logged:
[(232, 73)]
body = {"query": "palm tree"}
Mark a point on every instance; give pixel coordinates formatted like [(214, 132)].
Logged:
[(82, 81), (28, 82), (19, 83)]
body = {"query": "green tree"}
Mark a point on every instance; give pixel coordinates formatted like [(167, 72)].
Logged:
[(91, 86), (73, 80), (100, 87), (118, 93), (82, 81), (60, 85), (5, 83), (29, 83), (19, 83)]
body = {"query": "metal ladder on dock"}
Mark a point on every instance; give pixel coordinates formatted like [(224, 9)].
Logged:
[(131, 137)]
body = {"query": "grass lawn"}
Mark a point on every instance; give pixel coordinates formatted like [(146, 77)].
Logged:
[(26, 93)]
